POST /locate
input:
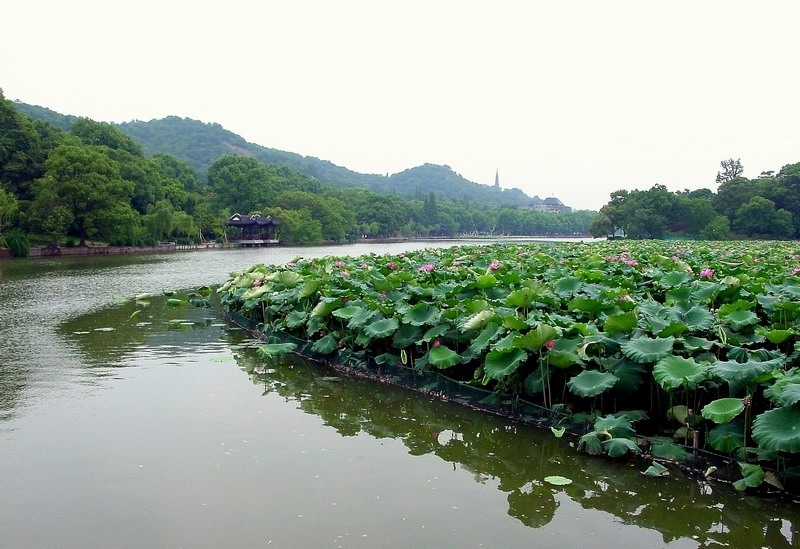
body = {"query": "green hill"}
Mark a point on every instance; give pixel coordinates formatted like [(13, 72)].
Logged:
[(200, 144)]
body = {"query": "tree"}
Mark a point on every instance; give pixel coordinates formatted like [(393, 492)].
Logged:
[(601, 226), (98, 134), (731, 169), (758, 217), (8, 208), (83, 183), (718, 228)]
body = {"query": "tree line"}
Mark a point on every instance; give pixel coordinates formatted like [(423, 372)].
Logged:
[(94, 183), (765, 207)]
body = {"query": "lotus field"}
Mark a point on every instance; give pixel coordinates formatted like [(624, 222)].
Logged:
[(688, 344)]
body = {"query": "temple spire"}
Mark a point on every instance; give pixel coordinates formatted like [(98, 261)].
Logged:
[(497, 178)]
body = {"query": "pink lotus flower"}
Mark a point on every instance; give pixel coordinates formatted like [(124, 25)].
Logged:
[(257, 282), (795, 271), (631, 262), (550, 344), (436, 343), (494, 265), (383, 296), (391, 265), (456, 263), (427, 268), (291, 264), (345, 299), (339, 264), (706, 273)]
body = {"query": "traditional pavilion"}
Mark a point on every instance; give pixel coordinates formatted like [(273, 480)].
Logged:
[(256, 230)]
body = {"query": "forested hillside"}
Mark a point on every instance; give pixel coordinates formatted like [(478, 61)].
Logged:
[(200, 144), (94, 182)]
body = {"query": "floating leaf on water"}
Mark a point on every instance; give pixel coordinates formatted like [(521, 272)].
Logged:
[(135, 313), (173, 302), (656, 470), (80, 333), (710, 471), (143, 297), (104, 329), (557, 480), (558, 433)]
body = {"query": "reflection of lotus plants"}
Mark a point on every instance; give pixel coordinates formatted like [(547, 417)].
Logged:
[(589, 328)]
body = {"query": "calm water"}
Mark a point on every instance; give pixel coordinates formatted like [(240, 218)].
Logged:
[(156, 430)]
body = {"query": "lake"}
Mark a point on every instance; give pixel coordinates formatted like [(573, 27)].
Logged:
[(163, 428)]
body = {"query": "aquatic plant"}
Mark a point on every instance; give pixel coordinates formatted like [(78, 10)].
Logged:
[(600, 329)]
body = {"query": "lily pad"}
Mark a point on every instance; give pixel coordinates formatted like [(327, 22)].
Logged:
[(557, 480), (590, 383), (645, 349), (673, 372), (723, 410)]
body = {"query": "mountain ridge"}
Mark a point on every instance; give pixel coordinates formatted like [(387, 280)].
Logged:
[(201, 143)]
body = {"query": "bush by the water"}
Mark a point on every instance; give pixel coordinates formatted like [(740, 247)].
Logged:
[(18, 243)]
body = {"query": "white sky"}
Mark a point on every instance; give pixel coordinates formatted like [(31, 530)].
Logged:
[(571, 98)]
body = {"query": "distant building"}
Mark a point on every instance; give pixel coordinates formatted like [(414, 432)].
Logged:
[(551, 204), (256, 230), (497, 179)]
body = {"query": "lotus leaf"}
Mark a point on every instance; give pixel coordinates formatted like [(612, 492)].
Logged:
[(536, 338), (271, 350), (618, 447), (406, 336), (618, 425), (522, 298), (478, 321), (590, 383), (568, 285), (645, 349), (421, 314), (537, 380), (501, 364), (629, 374), (485, 281), (678, 413), (778, 429), (667, 449), (591, 444), (325, 345), (723, 410), (656, 470), (325, 307), (557, 480), (753, 475), (736, 372), (739, 319), (487, 335), (382, 328), (674, 278), (174, 302), (290, 279), (348, 312), (620, 323), (443, 357), (673, 372)]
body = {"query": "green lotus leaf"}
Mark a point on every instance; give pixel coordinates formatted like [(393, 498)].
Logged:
[(536, 338), (406, 336), (309, 288), (362, 318), (723, 410), (672, 372), (485, 281), (487, 335), (679, 413), (790, 394), (656, 470), (325, 307), (698, 318), (692, 343), (271, 350), (777, 336), (348, 312), (325, 345), (501, 364), (522, 298), (739, 319), (567, 286), (629, 374), (590, 383), (617, 425), (514, 323), (782, 380), (382, 328), (645, 349), (421, 314), (296, 319), (666, 449), (620, 323), (290, 279), (443, 357), (558, 433), (727, 437), (753, 475), (618, 447), (674, 278), (591, 444), (586, 305), (433, 333), (673, 329), (778, 429), (478, 321), (556, 480), (737, 372), (174, 302)]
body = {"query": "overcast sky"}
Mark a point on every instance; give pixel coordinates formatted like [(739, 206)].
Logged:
[(574, 99)]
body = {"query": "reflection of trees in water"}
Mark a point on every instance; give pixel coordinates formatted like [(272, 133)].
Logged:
[(518, 457)]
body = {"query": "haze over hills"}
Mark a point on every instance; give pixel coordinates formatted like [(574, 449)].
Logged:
[(200, 144)]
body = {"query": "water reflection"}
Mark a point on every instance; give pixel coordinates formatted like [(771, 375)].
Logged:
[(518, 457)]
